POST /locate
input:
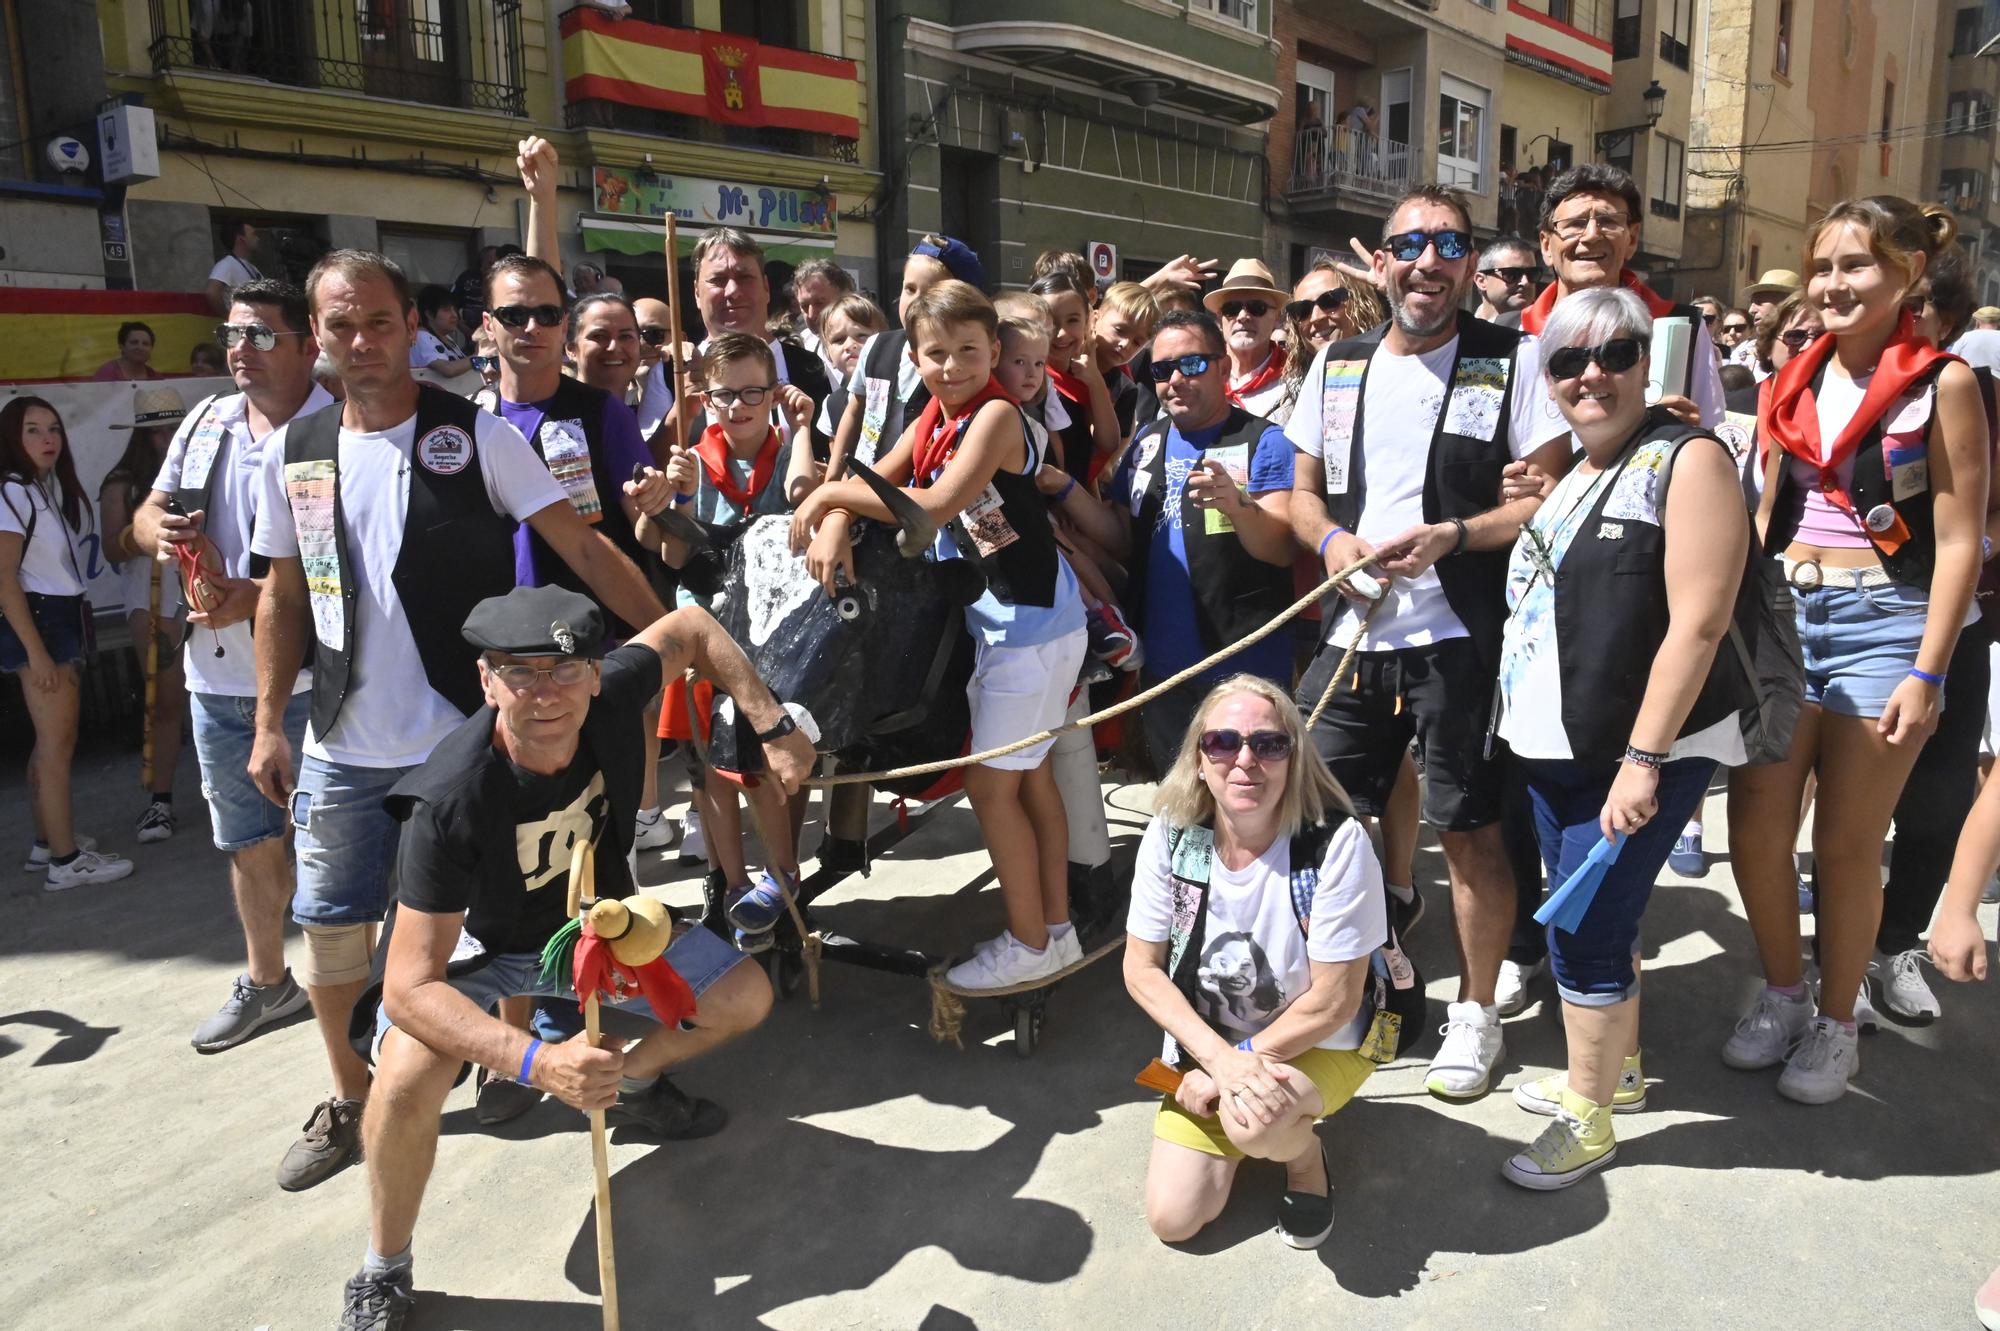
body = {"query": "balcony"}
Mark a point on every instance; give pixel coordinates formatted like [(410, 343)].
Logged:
[(456, 53), (1344, 161)]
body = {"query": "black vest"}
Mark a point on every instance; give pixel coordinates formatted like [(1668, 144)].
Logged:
[(1611, 617), (456, 550), (1235, 593), (884, 416), (1462, 480), (1022, 572), (579, 404)]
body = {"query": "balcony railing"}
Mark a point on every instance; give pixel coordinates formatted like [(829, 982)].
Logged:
[(1346, 160), (462, 53)]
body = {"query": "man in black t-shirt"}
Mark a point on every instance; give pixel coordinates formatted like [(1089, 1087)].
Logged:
[(490, 824)]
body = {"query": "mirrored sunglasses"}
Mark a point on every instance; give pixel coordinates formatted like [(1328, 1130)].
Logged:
[(1190, 367), (1267, 746), (260, 337), (1407, 246)]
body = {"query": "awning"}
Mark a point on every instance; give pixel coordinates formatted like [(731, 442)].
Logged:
[(644, 235)]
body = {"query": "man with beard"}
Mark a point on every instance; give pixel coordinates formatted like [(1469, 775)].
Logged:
[(1401, 435)]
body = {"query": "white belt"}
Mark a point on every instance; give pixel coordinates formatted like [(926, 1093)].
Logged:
[(1808, 574)]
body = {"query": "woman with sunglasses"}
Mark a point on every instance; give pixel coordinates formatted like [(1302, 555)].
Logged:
[(1612, 697), (1257, 984), (1875, 484)]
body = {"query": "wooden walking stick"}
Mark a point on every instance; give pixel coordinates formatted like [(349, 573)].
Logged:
[(582, 897), (149, 666), (680, 430)]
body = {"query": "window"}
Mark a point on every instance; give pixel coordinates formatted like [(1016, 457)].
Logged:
[(1669, 178), (1625, 31), (1965, 31), (1888, 103), (1966, 113), (1961, 188), (1243, 12), (1559, 10), (773, 22), (1461, 134), (1676, 29), (1618, 150), (1781, 58)]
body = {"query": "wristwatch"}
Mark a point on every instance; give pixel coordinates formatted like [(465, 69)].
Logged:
[(785, 726)]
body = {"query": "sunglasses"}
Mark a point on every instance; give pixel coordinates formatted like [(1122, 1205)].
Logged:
[(521, 678), (1267, 746), (749, 397), (485, 363), (653, 335), (1616, 356), (1407, 246), (1257, 308), (518, 316), (1708, 319), (1508, 275), (1326, 302), (1191, 367), (1736, 328), (1798, 338), (260, 337)]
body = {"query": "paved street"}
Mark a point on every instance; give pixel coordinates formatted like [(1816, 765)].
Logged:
[(870, 1178)]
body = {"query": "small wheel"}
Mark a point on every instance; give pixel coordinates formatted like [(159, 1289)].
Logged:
[(1027, 1030), (791, 973)]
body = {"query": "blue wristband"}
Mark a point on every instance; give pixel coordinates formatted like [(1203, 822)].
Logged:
[(1066, 489), (1936, 681), (1244, 1045), (1337, 531), (683, 499), (528, 1061)]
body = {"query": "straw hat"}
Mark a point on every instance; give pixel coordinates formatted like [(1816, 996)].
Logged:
[(1775, 283), (638, 928), (156, 405), (1246, 277)]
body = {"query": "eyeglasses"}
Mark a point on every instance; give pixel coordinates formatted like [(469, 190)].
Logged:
[(485, 363), (1326, 302), (1257, 308), (517, 316), (1191, 367), (1267, 746), (521, 678), (1407, 246), (1616, 356), (652, 335), (1608, 224), (1509, 275), (260, 337), (749, 397), (1798, 338)]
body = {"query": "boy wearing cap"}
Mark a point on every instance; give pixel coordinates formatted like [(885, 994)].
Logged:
[(490, 823)]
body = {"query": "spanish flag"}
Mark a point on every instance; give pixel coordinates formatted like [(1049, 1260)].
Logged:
[(62, 333)]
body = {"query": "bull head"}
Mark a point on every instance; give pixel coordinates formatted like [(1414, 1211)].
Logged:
[(917, 530)]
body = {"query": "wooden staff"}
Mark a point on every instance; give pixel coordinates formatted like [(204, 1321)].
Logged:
[(582, 896), (674, 335), (149, 665)]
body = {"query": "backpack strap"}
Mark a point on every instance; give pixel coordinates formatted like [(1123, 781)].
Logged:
[(1679, 438)]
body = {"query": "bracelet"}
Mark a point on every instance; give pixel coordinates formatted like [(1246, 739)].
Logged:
[(1338, 530), (1464, 536), (1064, 494), (1935, 681), (1244, 1045), (528, 1061), (680, 498), (1644, 757)]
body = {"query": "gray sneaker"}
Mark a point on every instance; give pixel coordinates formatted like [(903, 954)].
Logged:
[(249, 1007), (378, 1303), (332, 1141)]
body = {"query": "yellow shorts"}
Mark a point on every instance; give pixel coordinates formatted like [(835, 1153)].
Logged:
[(1338, 1073)]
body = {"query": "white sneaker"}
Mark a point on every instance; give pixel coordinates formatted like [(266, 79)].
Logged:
[(1818, 1070), (1767, 1032), (1463, 1068), (1067, 947), (1905, 992), (87, 867), (1510, 995), (156, 822), (655, 834), (38, 853), (1866, 1019), (1011, 963), (694, 846)]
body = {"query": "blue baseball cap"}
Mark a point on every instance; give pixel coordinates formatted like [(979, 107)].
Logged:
[(957, 257)]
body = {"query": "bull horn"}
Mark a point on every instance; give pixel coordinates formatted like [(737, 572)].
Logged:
[(918, 531), (667, 522)]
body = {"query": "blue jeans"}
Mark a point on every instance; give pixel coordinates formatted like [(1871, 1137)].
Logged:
[(346, 842), (224, 728), (1859, 643), (1593, 966)]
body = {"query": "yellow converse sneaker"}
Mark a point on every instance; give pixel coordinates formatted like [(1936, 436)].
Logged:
[(1545, 1096), (1578, 1142)]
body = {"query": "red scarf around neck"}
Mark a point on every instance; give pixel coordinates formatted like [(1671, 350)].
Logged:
[(1262, 378), (1072, 388), (938, 435), (1536, 315), (713, 450)]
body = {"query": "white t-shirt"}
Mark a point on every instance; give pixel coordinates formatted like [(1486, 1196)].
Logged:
[(429, 349), (51, 562), (1400, 405), (1980, 348), (231, 517), (392, 717), (1255, 960), (232, 271)]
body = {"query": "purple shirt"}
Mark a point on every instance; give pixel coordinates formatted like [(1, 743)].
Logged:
[(624, 447)]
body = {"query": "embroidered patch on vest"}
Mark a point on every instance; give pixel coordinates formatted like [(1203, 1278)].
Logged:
[(874, 411), (1234, 460), (1340, 402), (309, 490), (445, 451), (1478, 389), (567, 454), (202, 446)]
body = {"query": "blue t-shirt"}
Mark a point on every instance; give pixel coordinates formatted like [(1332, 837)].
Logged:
[(1172, 640), (624, 447)]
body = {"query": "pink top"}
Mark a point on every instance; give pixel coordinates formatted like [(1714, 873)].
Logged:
[(113, 370), (1810, 516)]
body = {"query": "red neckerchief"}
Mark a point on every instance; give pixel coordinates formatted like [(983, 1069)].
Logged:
[(1071, 387), (1537, 314), (713, 450), (1788, 414), (1262, 378), (938, 437)]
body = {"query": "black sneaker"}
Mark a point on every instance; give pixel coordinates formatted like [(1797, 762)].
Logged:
[(1306, 1218), (669, 1112), (378, 1303), (499, 1099), (331, 1143), (1405, 914)]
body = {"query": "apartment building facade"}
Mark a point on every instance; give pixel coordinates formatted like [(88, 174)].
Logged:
[(1962, 153)]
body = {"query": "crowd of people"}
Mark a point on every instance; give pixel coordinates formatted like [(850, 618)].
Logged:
[(470, 639)]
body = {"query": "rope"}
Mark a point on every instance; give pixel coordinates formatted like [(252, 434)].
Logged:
[(1346, 660), (948, 1000)]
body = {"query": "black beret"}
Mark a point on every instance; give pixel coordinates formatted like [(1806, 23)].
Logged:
[(536, 621)]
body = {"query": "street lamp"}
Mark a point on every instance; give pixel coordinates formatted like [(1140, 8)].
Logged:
[(1655, 98)]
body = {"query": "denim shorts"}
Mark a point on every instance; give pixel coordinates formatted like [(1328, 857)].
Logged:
[(224, 728), (59, 620), (346, 842), (1859, 643), (696, 952)]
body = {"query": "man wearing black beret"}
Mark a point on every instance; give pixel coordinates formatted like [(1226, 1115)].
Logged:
[(489, 824)]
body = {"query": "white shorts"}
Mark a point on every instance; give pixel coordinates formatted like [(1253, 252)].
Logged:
[(1989, 742), (1020, 691)]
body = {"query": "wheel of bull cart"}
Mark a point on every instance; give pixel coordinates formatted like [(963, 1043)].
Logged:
[(1027, 1011), (787, 971)]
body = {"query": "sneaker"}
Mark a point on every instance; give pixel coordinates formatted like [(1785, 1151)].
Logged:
[(1067, 947), (1544, 1096), (1686, 858), (1866, 1019), (156, 823), (499, 1099), (87, 867), (762, 904), (1306, 1218), (750, 944), (668, 1112), (332, 1141), (1404, 914), (378, 1303), (694, 846), (1987, 897), (1111, 639), (248, 1008), (1463, 1068), (1818, 1070), (1905, 992), (1986, 1302), (38, 854), (1510, 995), (1010, 963), (1806, 904), (658, 833), (1767, 1032), (1578, 1143)]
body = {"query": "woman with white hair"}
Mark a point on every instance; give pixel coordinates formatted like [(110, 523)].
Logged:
[(1613, 696)]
